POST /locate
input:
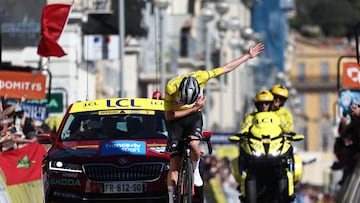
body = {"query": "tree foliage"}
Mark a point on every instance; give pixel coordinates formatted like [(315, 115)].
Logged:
[(334, 18)]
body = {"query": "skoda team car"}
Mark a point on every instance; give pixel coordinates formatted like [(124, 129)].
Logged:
[(108, 150)]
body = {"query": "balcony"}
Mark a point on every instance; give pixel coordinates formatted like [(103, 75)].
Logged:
[(314, 83)]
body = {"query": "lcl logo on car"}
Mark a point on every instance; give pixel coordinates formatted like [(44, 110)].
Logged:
[(89, 104), (123, 160)]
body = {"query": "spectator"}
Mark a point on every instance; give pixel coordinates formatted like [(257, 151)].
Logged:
[(346, 146), (29, 128), (229, 183), (9, 141), (7, 110)]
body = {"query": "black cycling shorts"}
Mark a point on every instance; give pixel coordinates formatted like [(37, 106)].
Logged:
[(188, 125)]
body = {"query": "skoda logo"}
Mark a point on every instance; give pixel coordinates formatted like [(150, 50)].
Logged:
[(123, 160)]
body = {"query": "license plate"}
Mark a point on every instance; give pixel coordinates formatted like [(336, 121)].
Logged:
[(124, 187)]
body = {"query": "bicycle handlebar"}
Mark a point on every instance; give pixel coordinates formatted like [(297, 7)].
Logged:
[(208, 143), (291, 136), (206, 138)]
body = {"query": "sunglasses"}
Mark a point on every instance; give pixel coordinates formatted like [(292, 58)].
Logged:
[(279, 97), (264, 103)]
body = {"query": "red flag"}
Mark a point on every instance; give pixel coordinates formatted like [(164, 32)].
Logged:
[(22, 165), (53, 20)]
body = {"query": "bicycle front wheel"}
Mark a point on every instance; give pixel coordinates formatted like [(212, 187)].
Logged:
[(185, 182)]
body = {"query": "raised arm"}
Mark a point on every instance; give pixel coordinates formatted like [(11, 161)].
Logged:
[(253, 52), (12, 108)]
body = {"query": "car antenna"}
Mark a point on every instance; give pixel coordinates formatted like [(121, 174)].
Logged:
[(87, 66), (157, 53)]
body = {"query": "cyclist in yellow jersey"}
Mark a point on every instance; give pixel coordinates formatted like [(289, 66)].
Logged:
[(183, 102), (280, 93)]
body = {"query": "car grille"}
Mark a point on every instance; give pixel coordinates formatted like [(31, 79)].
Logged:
[(110, 172)]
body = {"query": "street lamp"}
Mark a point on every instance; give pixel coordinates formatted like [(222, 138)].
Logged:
[(247, 34), (161, 5), (235, 44), (222, 7), (248, 3), (121, 47), (207, 15), (280, 76)]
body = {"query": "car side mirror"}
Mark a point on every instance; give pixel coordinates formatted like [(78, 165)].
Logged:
[(44, 137)]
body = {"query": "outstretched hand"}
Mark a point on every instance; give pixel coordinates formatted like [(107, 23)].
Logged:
[(256, 50), (22, 99)]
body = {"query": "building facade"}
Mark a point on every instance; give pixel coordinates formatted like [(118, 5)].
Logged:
[(314, 75)]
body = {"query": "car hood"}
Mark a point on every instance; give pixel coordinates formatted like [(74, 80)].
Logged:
[(103, 151)]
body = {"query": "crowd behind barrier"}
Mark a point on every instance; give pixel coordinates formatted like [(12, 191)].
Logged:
[(20, 155)]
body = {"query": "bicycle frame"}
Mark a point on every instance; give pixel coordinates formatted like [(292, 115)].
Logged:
[(185, 186)]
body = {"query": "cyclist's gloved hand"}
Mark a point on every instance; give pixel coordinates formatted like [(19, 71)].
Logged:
[(198, 134)]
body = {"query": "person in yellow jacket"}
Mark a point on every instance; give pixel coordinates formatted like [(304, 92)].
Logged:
[(263, 101), (281, 94)]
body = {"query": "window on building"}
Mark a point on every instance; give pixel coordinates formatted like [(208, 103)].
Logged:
[(303, 144), (302, 104), (107, 24), (191, 7), (301, 72), (186, 41), (184, 35), (325, 134), (324, 71), (109, 79), (324, 102)]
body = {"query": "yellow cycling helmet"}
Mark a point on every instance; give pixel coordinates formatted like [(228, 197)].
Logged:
[(280, 90), (264, 96)]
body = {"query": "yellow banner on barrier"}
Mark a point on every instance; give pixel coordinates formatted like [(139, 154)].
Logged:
[(29, 192)]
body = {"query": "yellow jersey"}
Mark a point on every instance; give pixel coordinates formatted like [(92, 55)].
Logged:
[(286, 119)]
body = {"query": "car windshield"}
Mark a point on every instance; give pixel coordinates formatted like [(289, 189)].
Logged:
[(101, 125)]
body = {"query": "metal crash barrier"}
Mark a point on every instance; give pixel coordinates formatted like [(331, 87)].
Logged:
[(350, 190)]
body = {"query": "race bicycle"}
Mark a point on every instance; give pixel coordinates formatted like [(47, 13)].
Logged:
[(185, 185)]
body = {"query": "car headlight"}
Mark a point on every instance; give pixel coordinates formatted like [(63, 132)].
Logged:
[(275, 153), (166, 166), (256, 153), (67, 167)]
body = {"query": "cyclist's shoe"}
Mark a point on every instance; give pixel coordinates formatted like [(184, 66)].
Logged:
[(197, 179), (175, 198)]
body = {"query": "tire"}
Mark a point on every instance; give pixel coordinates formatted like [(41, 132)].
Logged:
[(250, 191), (185, 182), (283, 191)]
